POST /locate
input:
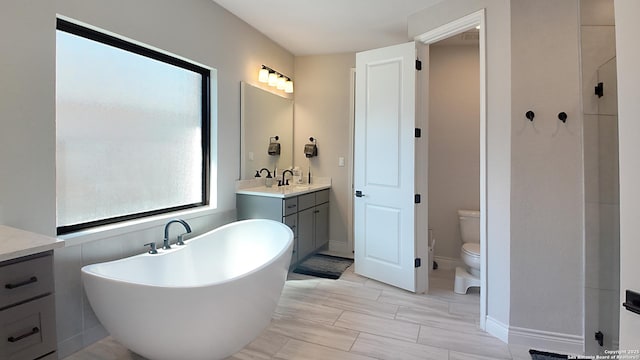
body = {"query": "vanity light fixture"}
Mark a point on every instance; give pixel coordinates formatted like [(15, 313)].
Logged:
[(263, 75), (288, 86), (281, 81), (275, 78)]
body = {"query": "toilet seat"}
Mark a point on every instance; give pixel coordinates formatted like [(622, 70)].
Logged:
[(471, 249)]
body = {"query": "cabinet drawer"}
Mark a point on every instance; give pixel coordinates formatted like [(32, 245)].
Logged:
[(27, 331), (20, 281), (292, 222), (290, 206), (306, 201), (322, 196)]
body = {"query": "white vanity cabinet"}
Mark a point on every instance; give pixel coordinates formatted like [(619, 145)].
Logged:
[(306, 214), (27, 307)]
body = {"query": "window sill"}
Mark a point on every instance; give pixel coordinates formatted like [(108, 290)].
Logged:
[(127, 227)]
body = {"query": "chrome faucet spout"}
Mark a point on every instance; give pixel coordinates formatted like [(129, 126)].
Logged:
[(166, 244)]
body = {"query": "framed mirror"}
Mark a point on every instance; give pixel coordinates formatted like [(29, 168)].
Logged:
[(263, 116)]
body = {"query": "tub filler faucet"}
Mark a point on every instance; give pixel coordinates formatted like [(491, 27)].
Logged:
[(166, 233)]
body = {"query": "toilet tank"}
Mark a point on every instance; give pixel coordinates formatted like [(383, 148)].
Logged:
[(469, 225)]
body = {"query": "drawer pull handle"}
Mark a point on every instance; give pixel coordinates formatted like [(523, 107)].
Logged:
[(291, 206), (33, 331), (23, 283)]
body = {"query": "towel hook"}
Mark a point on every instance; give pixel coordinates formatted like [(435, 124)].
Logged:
[(563, 117), (530, 115)]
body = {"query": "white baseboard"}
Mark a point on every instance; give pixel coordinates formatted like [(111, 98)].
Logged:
[(546, 340), (535, 339), (497, 329), (447, 263)]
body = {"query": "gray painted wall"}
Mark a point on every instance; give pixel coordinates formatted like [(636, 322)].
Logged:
[(454, 142), (197, 30), (322, 111), (546, 170)]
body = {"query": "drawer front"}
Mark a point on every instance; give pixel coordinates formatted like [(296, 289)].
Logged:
[(25, 280), (322, 196), (292, 222), (27, 331), (306, 201), (290, 206)]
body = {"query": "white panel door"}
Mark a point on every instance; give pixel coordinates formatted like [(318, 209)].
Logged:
[(384, 153)]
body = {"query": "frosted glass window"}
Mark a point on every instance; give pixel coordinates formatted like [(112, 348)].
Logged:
[(131, 129)]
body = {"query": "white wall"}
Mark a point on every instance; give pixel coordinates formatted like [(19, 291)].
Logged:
[(198, 30), (454, 141), (628, 55), (322, 111), (498, 28), (546, 170)]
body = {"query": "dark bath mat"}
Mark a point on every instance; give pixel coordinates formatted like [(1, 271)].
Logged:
[(541, 355), (324, 266)]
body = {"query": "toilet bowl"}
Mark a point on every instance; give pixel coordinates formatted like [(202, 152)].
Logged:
[(470, 255), (469, 276)]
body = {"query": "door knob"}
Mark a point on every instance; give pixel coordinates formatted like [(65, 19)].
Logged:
[(359, 193)]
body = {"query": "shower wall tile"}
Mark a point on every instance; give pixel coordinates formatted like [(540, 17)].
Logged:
[(592, 245), (609, 301), (598, 46), (597, 12), (591, 150), (607, 74), (609, 183), (592, 318), (609, 247)]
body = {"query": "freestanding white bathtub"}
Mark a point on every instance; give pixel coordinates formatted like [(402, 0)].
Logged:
[(204, 300)]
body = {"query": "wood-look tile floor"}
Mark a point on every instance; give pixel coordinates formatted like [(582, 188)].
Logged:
[(359, 318)]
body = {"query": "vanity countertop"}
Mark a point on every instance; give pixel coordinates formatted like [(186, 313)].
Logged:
[(283, 192), (15, 243)]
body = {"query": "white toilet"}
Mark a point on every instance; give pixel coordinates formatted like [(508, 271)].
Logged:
[(470, 253)]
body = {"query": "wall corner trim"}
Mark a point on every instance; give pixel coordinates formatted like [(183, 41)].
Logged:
[(497, 329)]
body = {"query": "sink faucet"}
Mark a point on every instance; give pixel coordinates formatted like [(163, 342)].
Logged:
[(285, 182), (166, 233), (258, 172)]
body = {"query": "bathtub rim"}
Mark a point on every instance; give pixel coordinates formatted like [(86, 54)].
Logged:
[(86, 269)]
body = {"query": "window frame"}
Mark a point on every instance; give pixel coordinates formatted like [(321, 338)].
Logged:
[(110, 40)]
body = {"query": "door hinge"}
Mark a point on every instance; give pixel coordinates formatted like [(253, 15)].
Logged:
[(418, 262), (418, 65), (418, 132), (417, 198)]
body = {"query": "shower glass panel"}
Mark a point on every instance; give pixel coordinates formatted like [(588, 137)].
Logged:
[(608, 207)]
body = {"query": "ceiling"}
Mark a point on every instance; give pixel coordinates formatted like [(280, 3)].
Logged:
[(308, 27)]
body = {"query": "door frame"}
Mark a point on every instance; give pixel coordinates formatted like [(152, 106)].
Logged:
[(440, 33)]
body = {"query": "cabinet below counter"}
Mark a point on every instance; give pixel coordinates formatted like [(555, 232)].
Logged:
[(307, 215), (27, 307)]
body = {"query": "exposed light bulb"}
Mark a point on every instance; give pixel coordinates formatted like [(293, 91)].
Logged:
[(263, 75)]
